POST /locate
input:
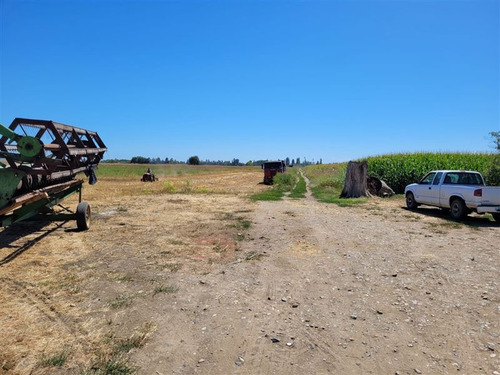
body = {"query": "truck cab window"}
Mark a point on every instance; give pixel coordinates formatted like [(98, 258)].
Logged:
[(437, 178), (427, 180)]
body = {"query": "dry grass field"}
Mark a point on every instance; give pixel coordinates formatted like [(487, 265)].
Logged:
[(188, 275)]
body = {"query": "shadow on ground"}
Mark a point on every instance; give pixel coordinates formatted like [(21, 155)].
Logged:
[(17, 232), (472, 221)]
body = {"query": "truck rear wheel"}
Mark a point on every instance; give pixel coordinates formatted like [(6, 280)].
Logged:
[(496, 217), (411, 203), (458, 210)]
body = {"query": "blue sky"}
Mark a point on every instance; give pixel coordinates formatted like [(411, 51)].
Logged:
[(335, 80)]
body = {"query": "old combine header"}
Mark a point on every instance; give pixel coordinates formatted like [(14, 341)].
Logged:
[(39, 163)]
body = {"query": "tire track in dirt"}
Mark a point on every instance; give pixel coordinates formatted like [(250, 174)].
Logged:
[(49, 312)]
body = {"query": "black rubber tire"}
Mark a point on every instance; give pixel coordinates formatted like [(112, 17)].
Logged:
[(458, 210), (83, 215), (496, 217), (411, 203)]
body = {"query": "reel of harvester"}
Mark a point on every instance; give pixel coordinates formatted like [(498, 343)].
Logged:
[(39, 163)]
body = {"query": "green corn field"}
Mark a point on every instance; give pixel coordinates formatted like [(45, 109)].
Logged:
[(399, 170)]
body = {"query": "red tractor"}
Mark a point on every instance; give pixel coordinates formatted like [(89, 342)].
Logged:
[(271, 168)]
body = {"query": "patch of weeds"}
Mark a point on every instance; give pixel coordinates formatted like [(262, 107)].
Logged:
[(451, 224), (173, 267), (121, 209), (204, 191), (109, 337), (329, 194), (253, 255), (246, 211), (268, 195), (299, 189), (55, 360), (240, 237), (241, 223), (187, 188), (290, 213), (121, 301), (125, 345), (110, 365), (168, 188), (125, 278), (245, 224), (165, 289)]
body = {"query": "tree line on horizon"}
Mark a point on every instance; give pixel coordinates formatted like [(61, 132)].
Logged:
[(195, 160)]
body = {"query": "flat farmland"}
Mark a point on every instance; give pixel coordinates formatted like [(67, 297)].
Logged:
[(188, 275)]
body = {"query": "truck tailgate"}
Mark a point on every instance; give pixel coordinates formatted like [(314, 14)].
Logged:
[(491, 196)]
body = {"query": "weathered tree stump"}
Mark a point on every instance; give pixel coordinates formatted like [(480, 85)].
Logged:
[(355, 184)]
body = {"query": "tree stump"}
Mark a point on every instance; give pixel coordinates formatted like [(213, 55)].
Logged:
[(355, 184)]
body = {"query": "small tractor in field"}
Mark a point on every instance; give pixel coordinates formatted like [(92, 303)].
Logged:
[(271, 168), (39, 163), (149, 176)]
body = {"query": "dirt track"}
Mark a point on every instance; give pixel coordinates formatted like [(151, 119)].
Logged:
[(373, 289)]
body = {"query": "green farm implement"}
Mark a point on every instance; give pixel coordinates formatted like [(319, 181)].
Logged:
[(39, 164)]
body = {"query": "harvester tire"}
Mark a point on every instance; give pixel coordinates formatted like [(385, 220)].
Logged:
[(83, 215)]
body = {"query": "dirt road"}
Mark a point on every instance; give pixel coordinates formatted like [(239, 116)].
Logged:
[(312, 289), (344, 291)]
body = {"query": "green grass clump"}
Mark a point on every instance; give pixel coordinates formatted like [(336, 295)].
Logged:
[(165, 289), (112, 365), (56, 360), (399, 170), (121, 301), (299, 190), (126, 345), (168, 188), (332, 195)]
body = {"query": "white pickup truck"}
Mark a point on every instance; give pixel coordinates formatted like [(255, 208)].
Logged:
[(459, 191)]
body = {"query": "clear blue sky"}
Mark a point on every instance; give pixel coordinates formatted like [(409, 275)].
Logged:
[(335, 80)]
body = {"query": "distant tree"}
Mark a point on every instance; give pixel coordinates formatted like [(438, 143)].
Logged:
[(140, 160), (298, 161), (293, 161), (249, 163), (493, 172), (194, 160), (496, 140), (167, 161), (235, 162), (287, 161), (320, 161)]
